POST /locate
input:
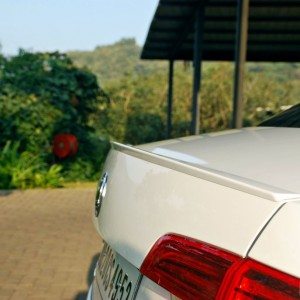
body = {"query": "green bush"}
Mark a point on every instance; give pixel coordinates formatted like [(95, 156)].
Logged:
[(137, 110), (87, 165), (41, 95), (26, 170), (28, 120), (144, 128)]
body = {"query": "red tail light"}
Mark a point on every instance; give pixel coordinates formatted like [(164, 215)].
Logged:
[(187, 268), (253, 280), (190, 269)]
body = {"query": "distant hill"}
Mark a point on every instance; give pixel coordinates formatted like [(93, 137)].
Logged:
[(112, 62)]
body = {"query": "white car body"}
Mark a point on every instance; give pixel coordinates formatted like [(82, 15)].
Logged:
[(237, 190)]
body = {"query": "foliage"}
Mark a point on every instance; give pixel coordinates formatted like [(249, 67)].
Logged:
[(42, 94), (52, 78), (27, 119), (137, 91), (144, 128), (87, 165), (26, 170), (113, 62), (264, 97), (137, 110)]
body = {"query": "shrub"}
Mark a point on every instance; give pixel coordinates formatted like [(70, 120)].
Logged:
[(144, 128), (41, 95), (87, 165), (26, 170)]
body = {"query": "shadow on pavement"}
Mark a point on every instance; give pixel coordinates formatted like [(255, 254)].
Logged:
[(5, 192), (89, 278), (81, 296)]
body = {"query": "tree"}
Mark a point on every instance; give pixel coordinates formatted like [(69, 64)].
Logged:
[(42, 94)]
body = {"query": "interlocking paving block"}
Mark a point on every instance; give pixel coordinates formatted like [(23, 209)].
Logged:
[(48, 243)]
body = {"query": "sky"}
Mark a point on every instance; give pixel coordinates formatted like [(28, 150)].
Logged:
[(49, 25)]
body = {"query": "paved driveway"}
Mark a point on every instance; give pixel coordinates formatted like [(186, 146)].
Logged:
[(48, 245)]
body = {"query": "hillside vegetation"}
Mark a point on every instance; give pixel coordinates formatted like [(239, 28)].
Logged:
[(138, 92), (110, 94), (112, 62)]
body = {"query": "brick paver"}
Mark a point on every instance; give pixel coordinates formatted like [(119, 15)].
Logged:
[(48, 245)]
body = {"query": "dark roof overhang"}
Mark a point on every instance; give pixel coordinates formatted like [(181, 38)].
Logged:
[(273, 34)]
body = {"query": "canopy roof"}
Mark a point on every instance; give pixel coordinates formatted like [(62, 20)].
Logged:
[(273, 35)]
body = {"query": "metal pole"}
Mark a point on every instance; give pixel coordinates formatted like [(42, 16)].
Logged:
[(240, 58), (197, 61), (170, 99)]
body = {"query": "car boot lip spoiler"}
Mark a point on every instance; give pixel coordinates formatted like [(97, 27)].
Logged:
[(229, 180)]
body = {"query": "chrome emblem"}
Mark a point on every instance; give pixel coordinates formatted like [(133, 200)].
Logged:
[(100, 194)]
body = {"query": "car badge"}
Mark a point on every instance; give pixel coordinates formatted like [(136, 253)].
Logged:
[(100, 194)]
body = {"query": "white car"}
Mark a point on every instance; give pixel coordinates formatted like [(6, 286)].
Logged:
[(215, 216)]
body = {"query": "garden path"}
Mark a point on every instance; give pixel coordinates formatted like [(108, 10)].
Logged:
[(48, 244)]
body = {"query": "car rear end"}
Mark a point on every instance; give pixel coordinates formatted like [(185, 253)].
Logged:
[(171, 231)]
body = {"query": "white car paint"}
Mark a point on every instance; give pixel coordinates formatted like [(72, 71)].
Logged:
[(238, 190), (258, 155), (144, 201), (151, 291), (279, 244)]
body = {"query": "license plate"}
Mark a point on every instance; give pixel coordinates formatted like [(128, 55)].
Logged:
[(117, 278)]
